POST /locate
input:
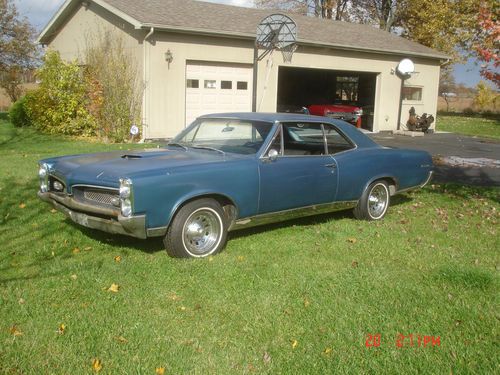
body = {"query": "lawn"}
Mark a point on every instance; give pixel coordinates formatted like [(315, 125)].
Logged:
[(475, 126), (283, 299)]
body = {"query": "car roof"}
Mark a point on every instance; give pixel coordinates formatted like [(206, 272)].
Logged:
[(351, 131)]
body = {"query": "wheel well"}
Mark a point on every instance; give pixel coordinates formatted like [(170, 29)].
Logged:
[(227, 205), (393, 185)]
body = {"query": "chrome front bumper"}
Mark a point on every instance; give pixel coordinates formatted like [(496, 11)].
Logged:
[(134, 226)]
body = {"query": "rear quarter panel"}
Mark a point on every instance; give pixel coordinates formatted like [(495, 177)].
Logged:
[(358, 168)]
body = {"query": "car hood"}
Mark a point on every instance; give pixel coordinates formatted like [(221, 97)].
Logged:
[(108, 167)]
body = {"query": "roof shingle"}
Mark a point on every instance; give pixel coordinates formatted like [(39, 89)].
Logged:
[(191, 15)]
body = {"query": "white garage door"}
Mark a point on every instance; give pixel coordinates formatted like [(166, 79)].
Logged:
[(217, 87)]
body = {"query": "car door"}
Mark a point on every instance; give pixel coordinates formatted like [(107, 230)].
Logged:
[(301, 174)]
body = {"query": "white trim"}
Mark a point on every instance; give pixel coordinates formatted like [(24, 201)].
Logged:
[(68, 3)]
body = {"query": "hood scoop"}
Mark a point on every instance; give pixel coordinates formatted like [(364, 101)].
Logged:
[(131, 156)]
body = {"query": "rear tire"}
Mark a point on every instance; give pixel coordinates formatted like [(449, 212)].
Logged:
[(199, 229), (374, 202)]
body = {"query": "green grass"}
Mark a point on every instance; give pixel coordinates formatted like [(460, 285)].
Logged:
[(475, 126), (429, 268)]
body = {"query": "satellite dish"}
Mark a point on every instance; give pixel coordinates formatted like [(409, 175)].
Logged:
[(277, 31), (406, 67)]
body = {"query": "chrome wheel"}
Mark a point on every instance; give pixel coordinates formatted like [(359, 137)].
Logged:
[(202, 232), (377, 201)]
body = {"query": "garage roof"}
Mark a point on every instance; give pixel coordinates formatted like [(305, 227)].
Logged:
[(216, 19)]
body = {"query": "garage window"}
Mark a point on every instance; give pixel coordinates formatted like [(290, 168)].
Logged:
[(226, 85), (242, 85), (347, 88), (412, 93), (210, 84), (193, 83)]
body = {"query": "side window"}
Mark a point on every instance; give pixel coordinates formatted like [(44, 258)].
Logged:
[(302, 139), (336, 141)]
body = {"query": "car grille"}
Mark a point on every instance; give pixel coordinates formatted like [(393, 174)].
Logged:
[(104, 197), (96, 196)]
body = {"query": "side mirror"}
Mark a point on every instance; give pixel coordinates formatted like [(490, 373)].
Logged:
[(272, 154)]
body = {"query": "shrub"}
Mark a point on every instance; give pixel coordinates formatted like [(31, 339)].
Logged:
[(468, 111), (18, 115), (60, 103), (113, 86)]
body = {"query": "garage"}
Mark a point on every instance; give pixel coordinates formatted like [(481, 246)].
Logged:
[(303, 87), (217, 87)]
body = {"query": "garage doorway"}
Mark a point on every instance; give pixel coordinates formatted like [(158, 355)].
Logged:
[(213, 87), (303, 87)]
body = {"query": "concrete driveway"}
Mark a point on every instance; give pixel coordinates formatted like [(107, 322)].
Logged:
[(458, 158)]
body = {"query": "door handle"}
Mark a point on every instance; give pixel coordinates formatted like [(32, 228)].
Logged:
[(331, 165)]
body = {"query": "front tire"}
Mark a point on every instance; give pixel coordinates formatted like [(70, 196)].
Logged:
[(374, 202), (199, 229)]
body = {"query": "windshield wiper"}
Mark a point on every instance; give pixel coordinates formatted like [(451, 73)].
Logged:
[(177, 144), (208, 148)]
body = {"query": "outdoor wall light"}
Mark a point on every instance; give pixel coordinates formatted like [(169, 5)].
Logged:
[(169, 57)]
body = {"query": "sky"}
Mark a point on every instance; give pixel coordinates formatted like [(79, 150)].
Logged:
[(39, 12)]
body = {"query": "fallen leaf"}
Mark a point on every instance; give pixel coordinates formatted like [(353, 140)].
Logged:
[(121, 339), (74, 277), (53, 254), (15, 331), (22, 205), (295, 343), (241, 258), (306, 302), (354, 264), (352, 240), (117, 259), (266, 357), (53, 210), (21, 301), (96, 365), (327, 351), (88, 248), (450, 297), (210, 258), (114, 288), (61, 328), (174, 297), (160, 371), (76, 250)]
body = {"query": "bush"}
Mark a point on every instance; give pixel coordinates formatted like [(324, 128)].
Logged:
[(18, 115), (60, 103), (468, 111)]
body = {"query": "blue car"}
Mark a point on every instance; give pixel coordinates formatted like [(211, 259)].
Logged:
[(230, 171)]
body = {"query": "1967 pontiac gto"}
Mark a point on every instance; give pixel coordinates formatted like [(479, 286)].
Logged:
[(230, 171)]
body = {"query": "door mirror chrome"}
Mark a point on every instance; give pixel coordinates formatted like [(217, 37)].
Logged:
[(272, 154)]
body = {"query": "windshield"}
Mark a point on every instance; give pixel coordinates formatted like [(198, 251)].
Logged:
[(224, 135)]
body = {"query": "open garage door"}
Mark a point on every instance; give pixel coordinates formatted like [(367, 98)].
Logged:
[(341, 94), (217, 87)]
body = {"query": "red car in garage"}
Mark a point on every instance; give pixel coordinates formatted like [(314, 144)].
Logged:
[(341, 110)]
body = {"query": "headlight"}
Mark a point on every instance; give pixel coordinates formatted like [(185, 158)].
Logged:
[(43, 174), (358, 112), (126, 196)]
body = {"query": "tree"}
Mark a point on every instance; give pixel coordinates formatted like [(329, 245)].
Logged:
[(18, 52), (486, 43), (385, 14), (485, 96), (447, 87), (329, 9), (446, 25)]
